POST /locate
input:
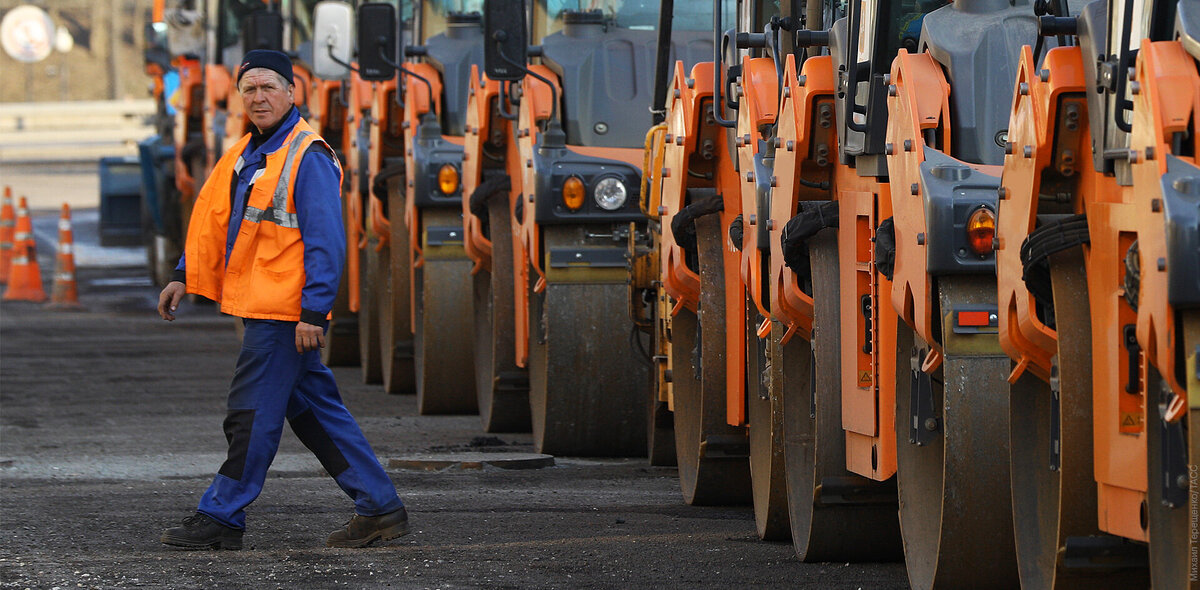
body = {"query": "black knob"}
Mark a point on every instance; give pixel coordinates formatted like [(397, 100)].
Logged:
[(1052, 26)]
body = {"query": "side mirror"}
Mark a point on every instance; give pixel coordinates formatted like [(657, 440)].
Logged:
[(155, 35), (377, 41), (504, 39), (185, 32), (262, 30), (333, 33)]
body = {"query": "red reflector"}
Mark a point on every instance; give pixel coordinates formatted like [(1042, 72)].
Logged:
[(973, 318)]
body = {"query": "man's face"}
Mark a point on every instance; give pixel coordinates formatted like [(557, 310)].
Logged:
[(266, 96)]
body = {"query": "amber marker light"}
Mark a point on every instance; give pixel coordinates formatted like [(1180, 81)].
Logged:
[(981, 228), (448, 179), (573, 193)]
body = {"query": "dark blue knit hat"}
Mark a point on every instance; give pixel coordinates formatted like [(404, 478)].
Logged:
[(266, 58)]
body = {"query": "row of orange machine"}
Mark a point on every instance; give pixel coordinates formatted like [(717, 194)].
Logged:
[(918, 279)]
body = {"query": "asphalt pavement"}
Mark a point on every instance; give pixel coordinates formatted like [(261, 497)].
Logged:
[(110, 429)]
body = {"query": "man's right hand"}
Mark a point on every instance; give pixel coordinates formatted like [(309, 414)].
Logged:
[(168, 300)]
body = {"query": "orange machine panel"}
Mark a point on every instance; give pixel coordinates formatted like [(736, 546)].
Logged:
[(482, 96), (805, 138), (1023, 336)]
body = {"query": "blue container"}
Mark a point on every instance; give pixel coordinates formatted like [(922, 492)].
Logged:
[(120, 201), (154, 156)]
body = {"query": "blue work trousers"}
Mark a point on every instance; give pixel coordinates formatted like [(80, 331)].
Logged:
[(272, 381)]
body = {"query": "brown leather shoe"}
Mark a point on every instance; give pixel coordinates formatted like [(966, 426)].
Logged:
[(364, 530)]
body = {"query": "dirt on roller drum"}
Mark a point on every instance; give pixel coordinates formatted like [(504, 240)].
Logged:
[(110, 429)]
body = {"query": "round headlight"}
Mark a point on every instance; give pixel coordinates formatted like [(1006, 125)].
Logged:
[(610, 194)]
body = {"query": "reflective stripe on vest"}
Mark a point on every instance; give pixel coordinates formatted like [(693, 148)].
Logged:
[(277, 213)]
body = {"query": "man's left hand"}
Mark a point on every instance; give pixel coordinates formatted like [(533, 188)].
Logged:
[(309, 337)]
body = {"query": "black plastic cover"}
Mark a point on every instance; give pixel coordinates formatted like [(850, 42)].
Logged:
[(376, 41), (607, 77), (566, 257), (504, 28), (763, 169), (392, 168), (683, 223), (552, 166), (448, 235), (811, 218), (1187, 27), (1092, 27), (952, 191), (737, 232), (363, 143), (430, 153), (262, 30), (498, 185), (981, 53), (885, 247), (1181, 213), (1055, 235), (453, 53), (850, 143)]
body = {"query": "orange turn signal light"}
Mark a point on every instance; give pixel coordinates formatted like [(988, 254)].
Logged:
[(448, 179), (981, 228), (573, 193)]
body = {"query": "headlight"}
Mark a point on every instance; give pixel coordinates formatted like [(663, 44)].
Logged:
[(573, 193), (981, 228), (609, 193), (448, 179)]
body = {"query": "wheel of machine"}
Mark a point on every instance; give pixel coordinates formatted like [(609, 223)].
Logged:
[(1168, 517), (163, 256), (195, 166), (588, 396), (660, 424), (714, 467), (341, 339), (835, 515), (372, 273), (443, 335), (660, 433), (1054, 493), (156, 268), (536, 365), (397, 369), (1167, 523), (501, 387), (162, 250), (587, 388), (764, 413), (955, 501)]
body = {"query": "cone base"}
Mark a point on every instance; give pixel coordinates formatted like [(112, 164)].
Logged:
[(34, 297), (65, 306)]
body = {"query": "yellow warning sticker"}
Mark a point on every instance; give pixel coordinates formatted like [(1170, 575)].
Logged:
[(864, 379), (1131, 421)]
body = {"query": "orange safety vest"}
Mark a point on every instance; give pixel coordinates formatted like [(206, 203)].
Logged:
[(265, 273)]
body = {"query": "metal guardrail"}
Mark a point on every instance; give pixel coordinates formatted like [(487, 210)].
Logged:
[(45, 132)]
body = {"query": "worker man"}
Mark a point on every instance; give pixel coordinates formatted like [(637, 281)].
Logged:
[(266, 242)]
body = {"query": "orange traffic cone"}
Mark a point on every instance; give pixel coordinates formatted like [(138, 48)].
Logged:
[(25, 276), (66, 292), (7, 221)]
